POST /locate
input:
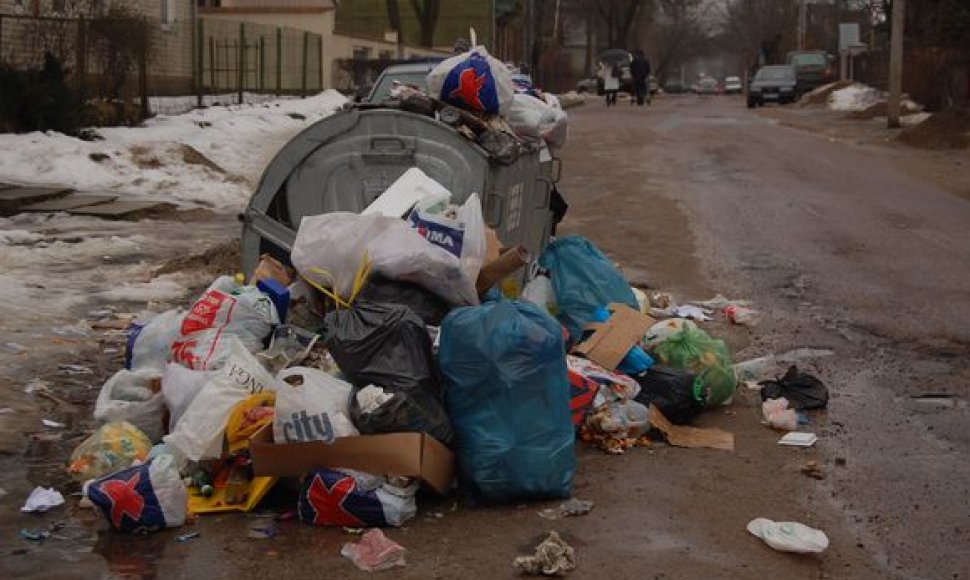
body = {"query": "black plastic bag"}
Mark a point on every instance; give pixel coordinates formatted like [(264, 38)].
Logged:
[(427, 305), (670, 390), (387, 345), (802, 390)]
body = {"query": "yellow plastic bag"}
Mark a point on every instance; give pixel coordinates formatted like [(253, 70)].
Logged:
[(113, 447)]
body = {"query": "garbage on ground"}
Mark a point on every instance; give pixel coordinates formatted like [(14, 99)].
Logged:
[(416, 455), (180, 386), (141, 499), (52, 424), (695, 350), (572, 508), (374, 552), (75, 369), (388, 345), (42, 499), (663, 330), (691, 312), (263, 529), (802, 390), (684, 436), (34, 535), (741, 315), (777, 414), (617, 426), (812, 469), (587, 378), (186, 537), (675, 392), (583, 280), (505, 368), (798, 439), (311, 406), (343, 497), (789, 536), (553, 557), (612, 339), (135, 397), (112, 447)]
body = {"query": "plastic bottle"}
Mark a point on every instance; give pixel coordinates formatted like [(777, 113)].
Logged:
[(742, 315)]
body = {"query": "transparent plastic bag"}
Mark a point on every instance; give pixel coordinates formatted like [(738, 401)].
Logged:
[(136, 397), (148, 345), (112, 447)]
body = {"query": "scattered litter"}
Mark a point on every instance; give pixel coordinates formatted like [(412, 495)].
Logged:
[(741, 315), (789, 536), (52, 424), (553, 557), (79, 330), (36, 385), (34, 535), (263, 529), (7, 411), (75, 369), (811, 469), (777, 414), (576, 507), (374, 552), (798, 439), (187, 537), (802, 390), (683, 436), (14, 348), (720, 302), (42, 499), (692, 312)]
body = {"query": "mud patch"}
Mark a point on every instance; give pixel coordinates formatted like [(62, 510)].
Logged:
[(220, 259), (192, 156), (949, 129)]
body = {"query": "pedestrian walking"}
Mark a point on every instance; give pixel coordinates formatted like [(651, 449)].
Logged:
[(640, 71), (610, 74)]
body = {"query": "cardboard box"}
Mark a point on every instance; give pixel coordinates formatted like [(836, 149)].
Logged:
[(611, 340), (403, 454)]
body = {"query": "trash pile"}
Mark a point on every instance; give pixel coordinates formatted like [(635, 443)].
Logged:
[(387, 352)]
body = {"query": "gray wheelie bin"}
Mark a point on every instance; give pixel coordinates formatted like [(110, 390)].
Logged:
[(345, 161)]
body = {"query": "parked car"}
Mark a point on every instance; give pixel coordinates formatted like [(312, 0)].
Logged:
[(813, 68), (732, 85), (674, 88), (707, 86), (775, 83), (621, 59)]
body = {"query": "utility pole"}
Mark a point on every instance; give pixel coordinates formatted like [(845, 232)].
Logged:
[(896, 62), (802, 23)]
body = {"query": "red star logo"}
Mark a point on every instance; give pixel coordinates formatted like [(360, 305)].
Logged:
[(125, 501), (321, 495), (469, 85)]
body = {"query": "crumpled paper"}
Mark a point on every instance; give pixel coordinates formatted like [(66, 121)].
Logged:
[(553, 557), (42, 499), (374, 552)]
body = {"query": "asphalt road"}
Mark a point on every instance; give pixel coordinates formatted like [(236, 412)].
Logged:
[(842, 246)]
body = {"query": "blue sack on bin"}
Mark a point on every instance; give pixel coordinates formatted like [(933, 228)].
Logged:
[(508, 398), (583, 280)]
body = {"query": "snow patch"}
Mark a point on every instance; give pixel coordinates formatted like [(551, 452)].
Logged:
[(857, 97), (150, 161), (161, 289), (18, 238)]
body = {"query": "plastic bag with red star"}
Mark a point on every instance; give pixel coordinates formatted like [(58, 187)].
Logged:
[(141, 499), (473, 81), (344, 497)]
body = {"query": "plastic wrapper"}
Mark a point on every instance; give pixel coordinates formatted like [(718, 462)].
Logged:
[(136, 397), (141, 499), (695, 350), (113, 447), (388, 345), (344, 497), (583, 280), (336, 250), (473, 81), (508, 398)]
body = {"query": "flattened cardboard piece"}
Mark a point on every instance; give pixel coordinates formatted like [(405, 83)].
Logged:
[(402, 454), (611, 340), (683, 436)]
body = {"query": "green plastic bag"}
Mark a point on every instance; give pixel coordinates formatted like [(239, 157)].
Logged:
[(693, 349)]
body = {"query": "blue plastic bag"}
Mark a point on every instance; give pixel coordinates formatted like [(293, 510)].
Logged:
[(583, 280), (508, 398), (474, 81)]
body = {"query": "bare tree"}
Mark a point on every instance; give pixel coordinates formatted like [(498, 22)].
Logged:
[(619, 17), (759, 29), (427, 12), (679, 33)]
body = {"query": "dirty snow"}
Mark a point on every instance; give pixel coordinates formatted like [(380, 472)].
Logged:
[(239, 140), (857, 97), (161, 289)]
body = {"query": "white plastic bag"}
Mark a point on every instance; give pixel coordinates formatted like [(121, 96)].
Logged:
[(533, 119), (230, 308), (128, 396), (207, 349), (474, 81), (199, 433), (539, 291), (330, 249), (461, 234), (315, 409), (148, 345), (180, 386), (789, 536)]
